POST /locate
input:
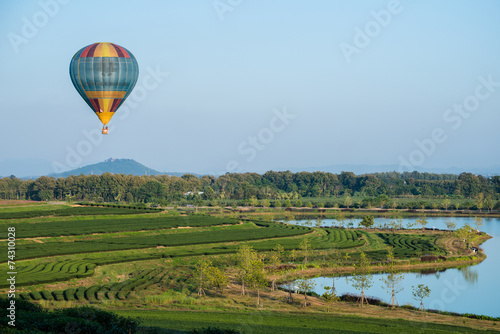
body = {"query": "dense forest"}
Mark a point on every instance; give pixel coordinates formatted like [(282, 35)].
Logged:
[(270, 186)]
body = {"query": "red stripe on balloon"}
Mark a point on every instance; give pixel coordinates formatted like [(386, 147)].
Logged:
[(95, 104), (84, 53), (123, 51), (118, 50), (115, 104), (92, 50)]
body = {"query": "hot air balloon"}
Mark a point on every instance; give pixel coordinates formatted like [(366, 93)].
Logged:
[(104, 74)]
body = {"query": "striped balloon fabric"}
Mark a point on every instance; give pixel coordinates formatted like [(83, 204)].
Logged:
[(104, 74)]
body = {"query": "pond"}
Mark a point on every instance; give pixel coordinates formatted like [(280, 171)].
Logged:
[(473, 289)]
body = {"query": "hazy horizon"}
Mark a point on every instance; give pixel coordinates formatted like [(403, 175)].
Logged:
[(255, 86)]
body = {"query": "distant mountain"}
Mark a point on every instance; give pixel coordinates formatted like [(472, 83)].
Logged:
[(114, 166)]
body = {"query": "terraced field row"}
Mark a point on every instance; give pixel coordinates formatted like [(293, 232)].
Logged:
[(263, 231), (141, 280), (73, 211), (406, 245), (50, 272), (88, 226), (329, 238)]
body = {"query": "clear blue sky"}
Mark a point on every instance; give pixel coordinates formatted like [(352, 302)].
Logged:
[(231, 67)]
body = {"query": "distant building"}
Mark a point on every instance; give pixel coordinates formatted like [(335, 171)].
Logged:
[(189, 193)]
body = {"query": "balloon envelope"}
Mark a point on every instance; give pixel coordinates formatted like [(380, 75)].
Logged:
[(104, 74)]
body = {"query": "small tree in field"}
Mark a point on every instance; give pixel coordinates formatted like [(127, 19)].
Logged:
[(446, 204), (362, 277), (410, 224), (201, 274), (336, 260), (451, 225), (276, 257), (367, 221), (306, 285), (419, 293), (478, 222), (218, 279), (306, 248), (392, 282), (244, 258), (329, 296), (422, 222), (395, 225), (340, 219), (290, 286), (256, 276), (467, 235)]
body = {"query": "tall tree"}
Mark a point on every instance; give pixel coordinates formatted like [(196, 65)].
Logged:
[(276, 257), (306, 285), (244, 258), (450, 225), (446, 204), (367, 221), (329, 296), (478, 222), (256, 276), (488, 203), (420, 292), (480, 201), (362, 278), (306, 247), (340, 218), (392, 282), (202, 273), (422, 222), (218, 279), (348, 201)]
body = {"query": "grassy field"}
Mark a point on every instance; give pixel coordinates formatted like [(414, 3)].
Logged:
[(122, 259), (263, 322)]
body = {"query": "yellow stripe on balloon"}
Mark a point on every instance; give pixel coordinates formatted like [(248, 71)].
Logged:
[(105, 104), (105, 50), (106, 94), (104, 116)]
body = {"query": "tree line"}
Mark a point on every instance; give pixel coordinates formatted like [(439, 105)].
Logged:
[(233, 186)]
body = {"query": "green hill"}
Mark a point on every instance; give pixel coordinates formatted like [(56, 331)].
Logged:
[(114, 166)]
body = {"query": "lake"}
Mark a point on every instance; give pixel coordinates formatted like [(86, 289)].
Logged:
[(473, 289)]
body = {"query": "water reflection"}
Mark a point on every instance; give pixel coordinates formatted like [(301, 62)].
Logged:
[(470, 275)]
